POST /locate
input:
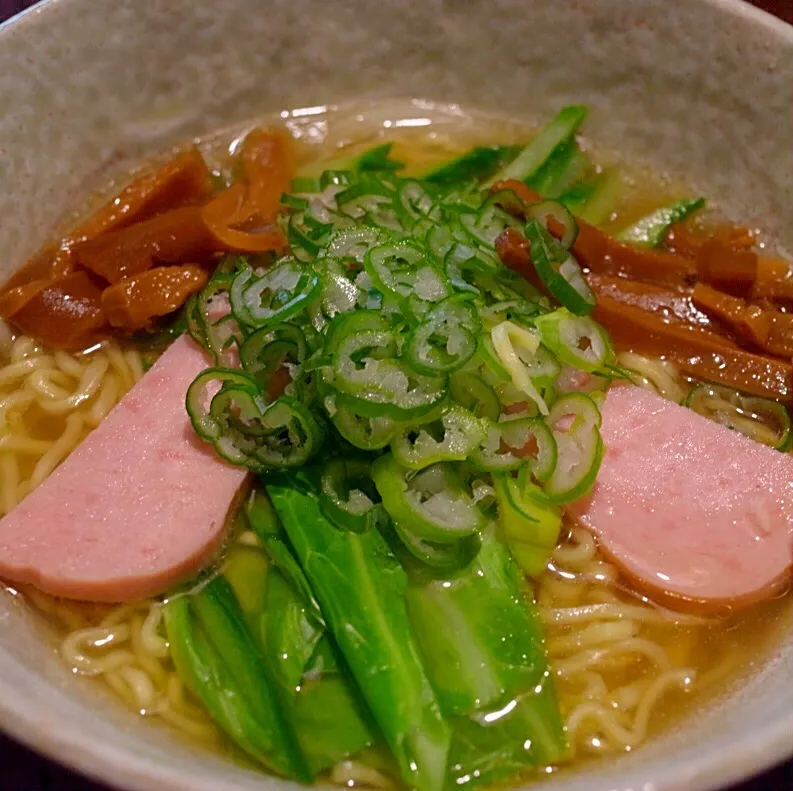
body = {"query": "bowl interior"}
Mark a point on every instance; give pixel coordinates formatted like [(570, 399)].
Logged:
[(700, 90)]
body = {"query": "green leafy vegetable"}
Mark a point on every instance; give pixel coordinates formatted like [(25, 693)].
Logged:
[(360, 587), (330, 717), (480, 638), (323, 706), (594, 199), (246, 569), (651, 230), (218, 661), (475, 166), (558, 132), (317, 696), (566, 165), (378, 160), (373, 160), (265, 523)]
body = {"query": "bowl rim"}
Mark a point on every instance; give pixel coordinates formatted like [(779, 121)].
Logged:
[(119, 768)]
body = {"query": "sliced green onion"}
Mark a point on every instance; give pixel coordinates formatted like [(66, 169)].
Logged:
[(542, 367), (451, 438), (513, 442), (504, 284), (265, 351), (276, 295), (244, 429), (371, 382), (402, 268), (209, 319), (414, 309), (283, 434), (432, 502), (475, 395), (446, 340), (332, 178), (385, 217), (295, 202), (201, 391), (304, 241), (354, 242), (559, 214), (366, 433), (413, 202), (394, 392), (530, 521), (366, 196), (445, 556), (362, 359), (578, 341), (492, 219), (348, 496), (464, 265), (341, 292), (196, 324), (439, 239), (575, 421), (347, 324), (559, 271)]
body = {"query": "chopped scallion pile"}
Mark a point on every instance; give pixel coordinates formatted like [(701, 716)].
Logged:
[(404, 397)]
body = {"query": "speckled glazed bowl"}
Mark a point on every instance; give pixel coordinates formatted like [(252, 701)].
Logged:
[(700, 88)]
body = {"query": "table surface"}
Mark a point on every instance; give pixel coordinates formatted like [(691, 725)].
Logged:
[(23, 770)]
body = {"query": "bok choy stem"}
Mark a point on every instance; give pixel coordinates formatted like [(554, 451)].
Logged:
[(482, 644)]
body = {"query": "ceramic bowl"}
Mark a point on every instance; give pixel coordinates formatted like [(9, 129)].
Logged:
[(700, 89)]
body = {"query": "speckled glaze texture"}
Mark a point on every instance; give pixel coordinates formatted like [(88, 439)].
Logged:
[(698, 88)]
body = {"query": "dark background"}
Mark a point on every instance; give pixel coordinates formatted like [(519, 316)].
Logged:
[(23, 770)]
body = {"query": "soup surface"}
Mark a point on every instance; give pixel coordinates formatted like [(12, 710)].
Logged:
[(624, 667)]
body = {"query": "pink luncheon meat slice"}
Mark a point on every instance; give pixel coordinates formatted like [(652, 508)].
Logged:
[(141, 504), (693, 512)]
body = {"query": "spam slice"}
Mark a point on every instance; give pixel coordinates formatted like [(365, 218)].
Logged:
[(141, 504), (696, 514)]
